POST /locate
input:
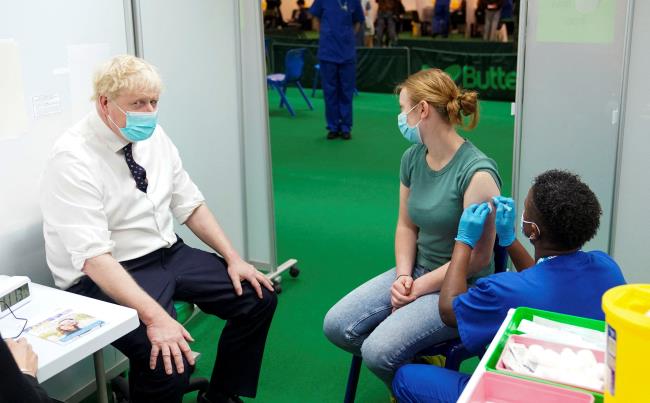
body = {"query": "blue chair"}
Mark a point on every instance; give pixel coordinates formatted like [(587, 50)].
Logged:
[(294, 62), (453, 350), (316, 76)]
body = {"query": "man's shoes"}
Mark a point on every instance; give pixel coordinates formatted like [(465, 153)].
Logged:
[(346, 135), (332, 135), (201, 398)]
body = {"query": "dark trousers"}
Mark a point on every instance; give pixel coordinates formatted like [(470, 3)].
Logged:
[(385, 21), (338, 80), (192, 275)]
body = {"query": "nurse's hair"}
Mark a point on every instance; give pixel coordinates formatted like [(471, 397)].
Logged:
[(125, 73), (441, 92), (568, 210)]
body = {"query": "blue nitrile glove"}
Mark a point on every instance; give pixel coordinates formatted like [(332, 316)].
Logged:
[(505, 220), (470, 227)]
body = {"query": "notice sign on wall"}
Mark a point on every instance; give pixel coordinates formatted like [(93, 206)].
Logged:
[(45, 105), (576, 21)]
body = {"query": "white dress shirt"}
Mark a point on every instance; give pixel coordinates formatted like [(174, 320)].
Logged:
[(91, 205)]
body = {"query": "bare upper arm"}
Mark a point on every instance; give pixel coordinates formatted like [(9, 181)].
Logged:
[(481, 189), (403, 218)]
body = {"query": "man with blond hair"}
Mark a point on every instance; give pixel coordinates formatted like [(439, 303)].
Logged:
[(110, 191)]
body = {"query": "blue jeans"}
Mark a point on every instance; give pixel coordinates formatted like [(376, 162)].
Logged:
[(362, 324)]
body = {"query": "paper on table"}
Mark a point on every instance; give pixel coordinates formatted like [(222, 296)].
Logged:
[(562, 335), (10, 327), (588, 335)]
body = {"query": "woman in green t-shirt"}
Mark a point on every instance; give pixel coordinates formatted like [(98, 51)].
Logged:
[(395, 315)]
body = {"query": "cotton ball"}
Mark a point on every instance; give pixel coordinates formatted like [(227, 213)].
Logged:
[(569, 359), (572, 375), (559, 374), (518, 349), (593, 384), (586, 358), (550, 358), (535, 353), (543, 371), (592, 372), (600, 370)]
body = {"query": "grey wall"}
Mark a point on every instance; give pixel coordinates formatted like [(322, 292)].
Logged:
[(210, 56), (570, 97), (632, 221)]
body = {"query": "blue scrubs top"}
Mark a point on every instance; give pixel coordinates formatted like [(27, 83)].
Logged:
[(571, 284), (337, 19)]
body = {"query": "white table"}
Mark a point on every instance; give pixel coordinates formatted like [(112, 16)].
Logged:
[(54, 358), (480, 369)]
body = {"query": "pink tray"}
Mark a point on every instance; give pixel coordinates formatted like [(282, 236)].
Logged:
[(557, 347), (506, 389)]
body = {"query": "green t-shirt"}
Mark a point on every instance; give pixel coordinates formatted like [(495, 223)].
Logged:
[(435, 201)]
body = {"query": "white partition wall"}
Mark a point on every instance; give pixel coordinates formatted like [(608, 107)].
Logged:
[(210, 55), (48, 51), (260, 221), (569, 95), (631, 218), (582, 105)]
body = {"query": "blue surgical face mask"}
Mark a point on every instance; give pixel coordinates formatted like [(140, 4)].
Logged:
[(139, 125), (412, 134)]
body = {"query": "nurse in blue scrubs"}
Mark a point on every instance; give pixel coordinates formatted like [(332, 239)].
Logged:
[(560, 215), (338, 21)]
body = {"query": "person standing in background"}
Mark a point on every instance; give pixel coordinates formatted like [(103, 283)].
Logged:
[(441, 15), (337, 21), (387, 13), (369, 25), (492, 17)]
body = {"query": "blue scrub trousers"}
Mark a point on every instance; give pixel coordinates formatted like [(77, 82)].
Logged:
[(428, 383), (338, 89), (441, 15)]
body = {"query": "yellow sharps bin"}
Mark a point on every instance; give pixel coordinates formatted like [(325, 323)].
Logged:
[(627, 313)]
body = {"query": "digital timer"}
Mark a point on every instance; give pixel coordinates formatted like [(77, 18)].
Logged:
[(14, 293)]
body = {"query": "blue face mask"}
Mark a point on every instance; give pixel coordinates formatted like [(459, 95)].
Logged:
[(139, 125), (412, 134)]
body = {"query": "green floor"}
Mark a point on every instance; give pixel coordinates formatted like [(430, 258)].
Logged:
[(336, 207)]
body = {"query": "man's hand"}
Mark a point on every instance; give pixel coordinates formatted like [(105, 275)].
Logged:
[(169, 339), (401, 292), (24, 356), (239, 270)]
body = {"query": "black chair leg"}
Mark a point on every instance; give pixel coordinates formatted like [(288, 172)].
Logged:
[(120, 389), (353, 380)]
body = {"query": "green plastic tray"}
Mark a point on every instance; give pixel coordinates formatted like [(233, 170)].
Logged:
[(528, 313)]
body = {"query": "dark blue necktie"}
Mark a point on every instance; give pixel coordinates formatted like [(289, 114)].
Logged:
[(138, 173)]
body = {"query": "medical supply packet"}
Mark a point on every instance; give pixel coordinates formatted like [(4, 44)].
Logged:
[(64, 325)]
